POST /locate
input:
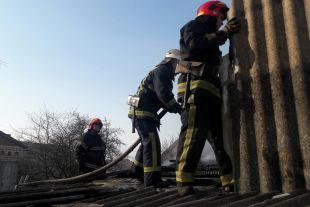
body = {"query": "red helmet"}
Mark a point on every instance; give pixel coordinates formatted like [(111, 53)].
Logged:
[(212, 8), (94, 121)]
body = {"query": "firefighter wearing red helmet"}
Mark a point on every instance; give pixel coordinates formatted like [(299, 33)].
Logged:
[(199, 92), (90, 152)]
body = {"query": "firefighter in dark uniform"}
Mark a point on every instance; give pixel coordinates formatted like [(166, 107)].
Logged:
[(90, 153), (199, 91), (155, 92)]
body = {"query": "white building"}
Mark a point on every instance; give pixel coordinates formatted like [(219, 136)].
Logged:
[(11, 151)]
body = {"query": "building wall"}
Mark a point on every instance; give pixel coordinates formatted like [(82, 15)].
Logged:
[(8, 175), (270, 95), (9, 157), (11, 151)]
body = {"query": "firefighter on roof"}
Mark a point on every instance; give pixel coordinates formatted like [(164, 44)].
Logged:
[(90, 153), (199, 91), (154, 93)]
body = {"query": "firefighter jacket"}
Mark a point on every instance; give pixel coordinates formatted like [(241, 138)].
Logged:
[(90, 153), (200, 42), (155, 92)]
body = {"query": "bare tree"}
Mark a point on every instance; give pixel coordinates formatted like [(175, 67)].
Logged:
[(167, 143), (111, 139), (167, 146), (52, 138)]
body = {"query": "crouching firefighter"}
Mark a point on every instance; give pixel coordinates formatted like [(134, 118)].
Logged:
[(90, 152), (199, 92), (154, 93)]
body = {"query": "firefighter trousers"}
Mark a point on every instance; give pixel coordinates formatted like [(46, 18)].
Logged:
[(147, 162), (201, 117)]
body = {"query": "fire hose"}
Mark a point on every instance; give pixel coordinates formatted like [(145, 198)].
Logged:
[(94, 173)]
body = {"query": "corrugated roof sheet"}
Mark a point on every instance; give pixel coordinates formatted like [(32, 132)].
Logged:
[(269, 97), (121, 192)]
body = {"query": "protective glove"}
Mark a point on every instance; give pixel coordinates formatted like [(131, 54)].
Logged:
[(176, 108), (232, 26)]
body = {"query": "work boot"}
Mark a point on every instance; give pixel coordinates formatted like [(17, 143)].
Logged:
[(161, 184), (227, 183), (131, 174), (229, 189), (185, 190), (157, 183)]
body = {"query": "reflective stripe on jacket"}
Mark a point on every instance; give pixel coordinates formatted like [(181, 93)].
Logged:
[(155, 92), (200, 42), (199, 85)]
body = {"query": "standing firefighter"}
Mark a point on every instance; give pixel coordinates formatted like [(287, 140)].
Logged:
[(90, 152), (199, 91), (154, 93)]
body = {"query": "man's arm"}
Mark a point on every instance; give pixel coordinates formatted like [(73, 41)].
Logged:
[(196, 39), (163, 86)]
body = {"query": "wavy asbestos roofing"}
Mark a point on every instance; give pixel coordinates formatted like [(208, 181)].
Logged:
[(126, 192)]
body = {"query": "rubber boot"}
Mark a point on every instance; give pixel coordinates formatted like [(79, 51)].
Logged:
[(161, 184), (184, 190)]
